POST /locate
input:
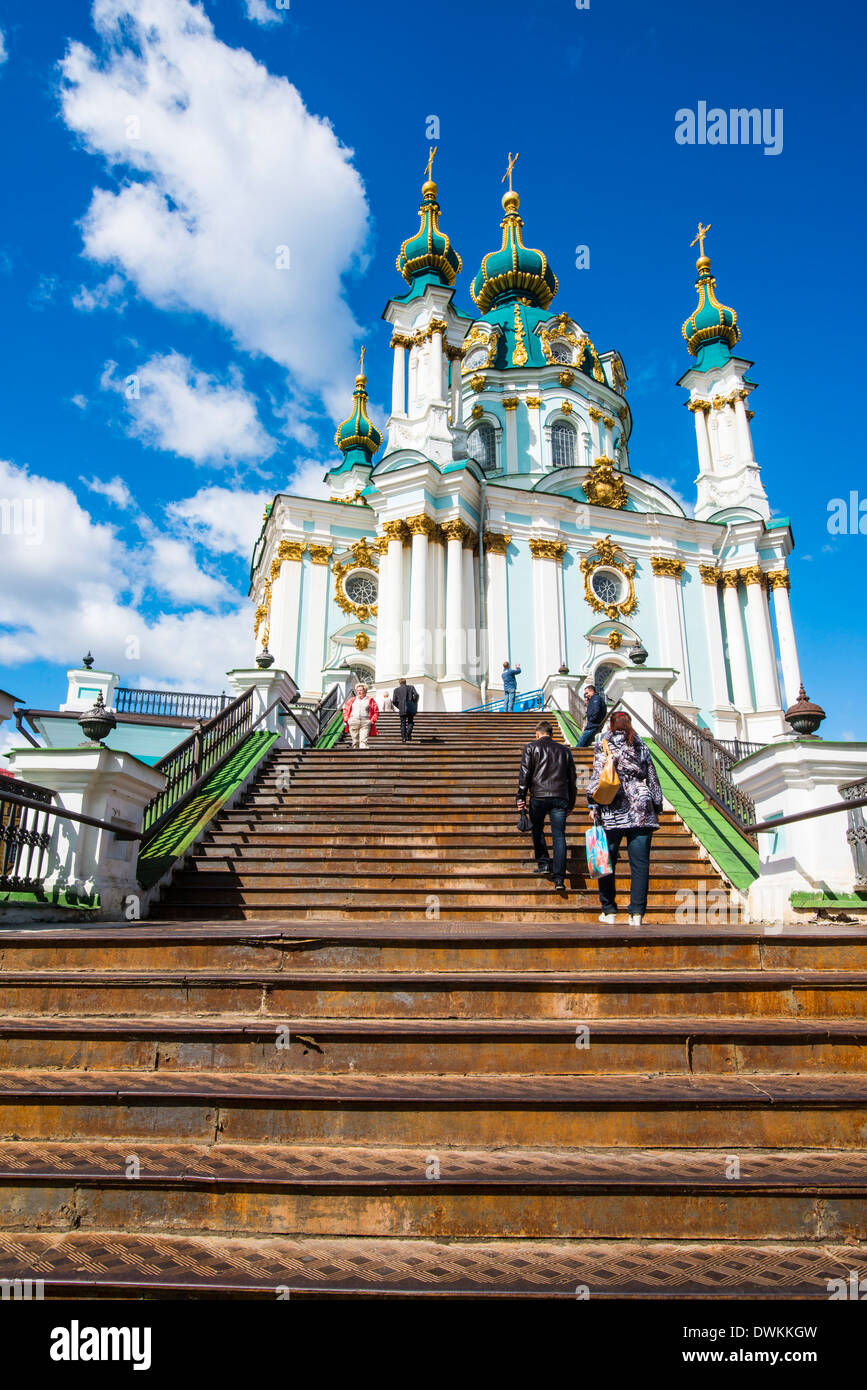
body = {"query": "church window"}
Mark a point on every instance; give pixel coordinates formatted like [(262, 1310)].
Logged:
[(602, 675), (562, 352), (607, 586), (361, 588), (562, 445), (482, 446), (364, 674)]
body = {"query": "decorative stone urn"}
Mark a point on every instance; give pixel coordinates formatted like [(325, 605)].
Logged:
[(97, 723)]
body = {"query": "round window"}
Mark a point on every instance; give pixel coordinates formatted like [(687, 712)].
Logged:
[(561, 352), (607, 586), (361, 588)]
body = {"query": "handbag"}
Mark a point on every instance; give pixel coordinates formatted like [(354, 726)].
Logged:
[(609, 782), (598, 855)]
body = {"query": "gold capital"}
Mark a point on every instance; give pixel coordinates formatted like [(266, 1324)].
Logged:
[(321, 554), (710, 574), (497, 542), (421, 525), (778, 579), (667, 565), (547, 550)]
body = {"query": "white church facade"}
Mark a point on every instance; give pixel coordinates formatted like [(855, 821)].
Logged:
[(502, 518)]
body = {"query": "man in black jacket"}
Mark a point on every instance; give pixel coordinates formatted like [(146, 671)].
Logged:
[(596, 712), (405, 699), (548, 777)]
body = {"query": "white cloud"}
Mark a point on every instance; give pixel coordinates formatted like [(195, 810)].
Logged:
[(79, 401), (171, 405), (265, 11), (43, 292), (229, 167), (4, 51), (115, 490), (221, 519), (670, 486), (308, 479), (108, 295), (68, 583)]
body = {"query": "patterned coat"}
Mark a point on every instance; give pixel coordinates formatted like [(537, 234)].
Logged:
[(639, 799)]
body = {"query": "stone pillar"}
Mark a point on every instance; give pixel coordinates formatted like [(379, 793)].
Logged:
[(510, 405), (420, 528), (398, 374), (457, 388), (316, 577), (547, 598), (736, 644), (286, 604), (84, 687), (596, 418), (534, 416), (436, 363), (742, 429), (496, 546), (699, 410), (725, 717), (636, 686), (473, 662), (389, 664), (668, 571), (608, 423), (779, 584), (268, 685), (763, 656), (455, 532), (436, 600)]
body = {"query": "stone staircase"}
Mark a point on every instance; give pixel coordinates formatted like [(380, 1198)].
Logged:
[(364, 1052)]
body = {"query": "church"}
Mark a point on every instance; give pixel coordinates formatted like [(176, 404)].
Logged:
[(502, 519)]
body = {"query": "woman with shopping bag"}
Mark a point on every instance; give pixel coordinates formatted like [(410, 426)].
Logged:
[(625, 800)]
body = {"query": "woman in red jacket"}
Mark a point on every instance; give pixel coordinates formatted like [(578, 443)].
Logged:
[(360, 714)]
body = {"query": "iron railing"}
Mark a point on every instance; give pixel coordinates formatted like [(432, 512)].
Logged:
[(707, 762), (169, 704), (186, 765), (856, 829), (740, 748), (313, 717), (528, 700), (24, 834)]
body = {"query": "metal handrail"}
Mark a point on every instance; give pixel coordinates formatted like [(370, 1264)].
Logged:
[(180, 704), (538, 695), (706, 761), (118, 830), (805, 815), (202, 753)]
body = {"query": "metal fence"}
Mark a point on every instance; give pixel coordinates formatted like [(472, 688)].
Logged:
[(739, 748), (705, 760), (199, 754), (169, 704), (25, 835), (526, 700), (856, 829)]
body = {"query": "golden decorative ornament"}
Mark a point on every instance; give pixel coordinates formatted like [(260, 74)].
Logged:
[(566, 377), (604, 486), (519, 356), (778, 579), (594, 413), (608, 422), (751, 414), (753, 574), (667, 565), (496, 542), (321, 554), (566, 407), (362, 641), (364, 556), (534, 402), (471, 540), (486, 337), (615, 639), (561, 330), (421, 525), (477, 383), (729, 579), (400, 340), (510, 402), (455, 530), (477, 412), (710, 574), (607, 553), (395, 530), (547, 550)]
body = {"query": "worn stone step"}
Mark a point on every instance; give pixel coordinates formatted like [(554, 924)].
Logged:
[(119, 1264), (203, 875)]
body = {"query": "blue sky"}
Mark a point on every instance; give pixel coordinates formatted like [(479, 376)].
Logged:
[(158, 153)]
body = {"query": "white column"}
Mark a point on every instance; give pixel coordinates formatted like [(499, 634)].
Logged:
[(286, 605), (436, 366), (472, 661), (779, 581), (457, 392), (454, 532), (398, 377), (510, 404), (534, 417), (666, 585), (316, 577), (609, 439), (742, 426), (390, 606), (713, 628), (761, 639), (596, 433), (419, 635), (547, 559), (701, 436), (436, 600), (736, 644), (413, 406), (498, 609)]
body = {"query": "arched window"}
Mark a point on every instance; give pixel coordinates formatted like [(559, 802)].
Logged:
[(602, 675), (562, 445), (482, 446)]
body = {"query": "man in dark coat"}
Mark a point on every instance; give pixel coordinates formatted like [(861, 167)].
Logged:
[(405, 699), (596, 712), (549, 778)]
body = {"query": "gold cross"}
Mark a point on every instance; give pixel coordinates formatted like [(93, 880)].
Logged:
[(361, 362), (702, 233), (513, 159), (430, 160)]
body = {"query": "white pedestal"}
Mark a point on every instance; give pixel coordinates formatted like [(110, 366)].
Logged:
[(111, 786), (636, 685), (85, 686), (458, 694), (269, 685), (813, 855)]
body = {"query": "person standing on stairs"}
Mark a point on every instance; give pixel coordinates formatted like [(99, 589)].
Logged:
[(405, 699), (595, 718), (510, 686), (633, 813), (549, 778), (360, 714)]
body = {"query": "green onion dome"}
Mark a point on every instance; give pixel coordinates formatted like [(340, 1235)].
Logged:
[(359, 432), (710, 322), (515, 271), (430, 251)]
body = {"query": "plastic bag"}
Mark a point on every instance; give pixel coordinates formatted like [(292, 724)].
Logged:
[(598, 857)]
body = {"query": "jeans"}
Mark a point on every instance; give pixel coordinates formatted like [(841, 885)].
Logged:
[(406, 724), (638, 849), (557, 809), (509, 701), (588, 735), (359, 732)]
